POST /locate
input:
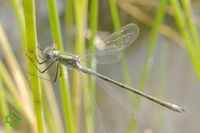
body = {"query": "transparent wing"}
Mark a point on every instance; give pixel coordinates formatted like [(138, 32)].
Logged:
[(98, 118), (88, 98), (99, 123), (118, 96), (109, 50)]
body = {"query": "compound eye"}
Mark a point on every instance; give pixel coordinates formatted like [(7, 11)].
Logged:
[(48, 56)]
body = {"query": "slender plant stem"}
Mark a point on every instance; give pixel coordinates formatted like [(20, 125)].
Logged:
[(114, 14), (17, 76), (80, 10), (69, 23), (30, 24), (180, 20), (48, 115), (126, 75), (190, 21), (89, 92), (64, 83), (18, 10), (192, 29), (151, 49)]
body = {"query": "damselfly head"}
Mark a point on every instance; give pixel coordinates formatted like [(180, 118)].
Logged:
[(49, 52)]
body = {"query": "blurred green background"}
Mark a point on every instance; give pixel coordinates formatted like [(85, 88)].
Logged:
[(164, 62)]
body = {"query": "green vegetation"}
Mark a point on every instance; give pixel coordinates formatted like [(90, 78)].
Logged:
[(37, 101)]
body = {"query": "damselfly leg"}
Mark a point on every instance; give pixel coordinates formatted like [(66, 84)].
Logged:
[(52, 62), (36, 56)]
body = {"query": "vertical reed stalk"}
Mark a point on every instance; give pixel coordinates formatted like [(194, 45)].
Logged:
[(69, 21), (21, 91), (89, 92), (180, 20), (30, 24), (64, 83), (18, 10), (48, 115), (80, 10), (151, 49), (126, 75)]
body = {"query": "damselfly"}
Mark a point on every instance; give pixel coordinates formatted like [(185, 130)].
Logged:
[(114, 44)]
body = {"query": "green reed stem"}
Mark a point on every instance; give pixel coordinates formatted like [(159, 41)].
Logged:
[(190, 21), (133, 126), (64, 83), (47, 111), (30, 24), (89, 92), (188, 31), (151, 49), (180, 20), (69, 20), (79, 48), (18, 10), (80, 10), (17, 76), (114, 14), (116, 23)]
